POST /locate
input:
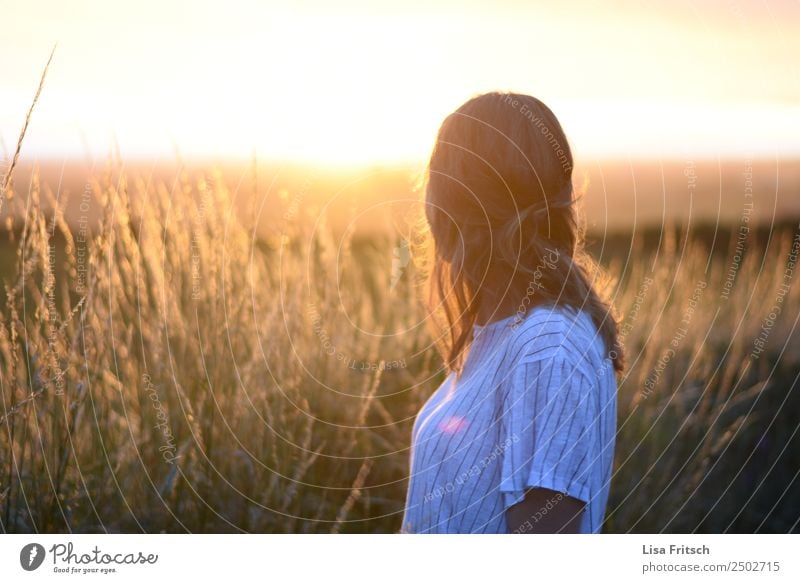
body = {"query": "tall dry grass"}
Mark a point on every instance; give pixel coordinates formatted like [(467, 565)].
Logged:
[(163, 371)]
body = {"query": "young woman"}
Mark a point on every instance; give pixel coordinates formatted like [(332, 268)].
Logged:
[(520, 436)]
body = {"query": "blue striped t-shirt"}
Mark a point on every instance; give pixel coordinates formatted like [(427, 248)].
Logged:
[(535, 406)]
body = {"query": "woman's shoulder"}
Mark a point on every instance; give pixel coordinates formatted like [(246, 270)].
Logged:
[(554, 332)]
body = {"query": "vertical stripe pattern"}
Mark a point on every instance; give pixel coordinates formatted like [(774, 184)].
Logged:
[(535, 407)]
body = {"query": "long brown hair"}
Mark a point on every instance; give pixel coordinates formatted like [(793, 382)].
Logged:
[(500, 206)]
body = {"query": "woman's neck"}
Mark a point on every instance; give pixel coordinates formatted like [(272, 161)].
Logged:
[(492, 308)]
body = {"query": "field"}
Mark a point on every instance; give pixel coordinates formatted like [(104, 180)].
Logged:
[(163, 369)]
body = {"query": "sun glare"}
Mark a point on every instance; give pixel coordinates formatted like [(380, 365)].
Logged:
[(367, 85)]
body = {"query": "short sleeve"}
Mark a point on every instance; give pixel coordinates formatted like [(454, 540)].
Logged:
[(549, 407)]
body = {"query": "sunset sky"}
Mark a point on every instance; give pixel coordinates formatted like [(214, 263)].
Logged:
[(342, 83)]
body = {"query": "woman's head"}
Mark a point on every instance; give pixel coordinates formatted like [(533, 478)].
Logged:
[(501, 210)]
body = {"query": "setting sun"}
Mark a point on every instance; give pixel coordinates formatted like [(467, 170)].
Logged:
[(343, 87)]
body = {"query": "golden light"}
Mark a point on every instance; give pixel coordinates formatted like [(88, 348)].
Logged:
[(361, 84)]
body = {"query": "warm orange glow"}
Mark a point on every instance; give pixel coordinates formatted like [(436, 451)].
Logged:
[(364, 85)]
